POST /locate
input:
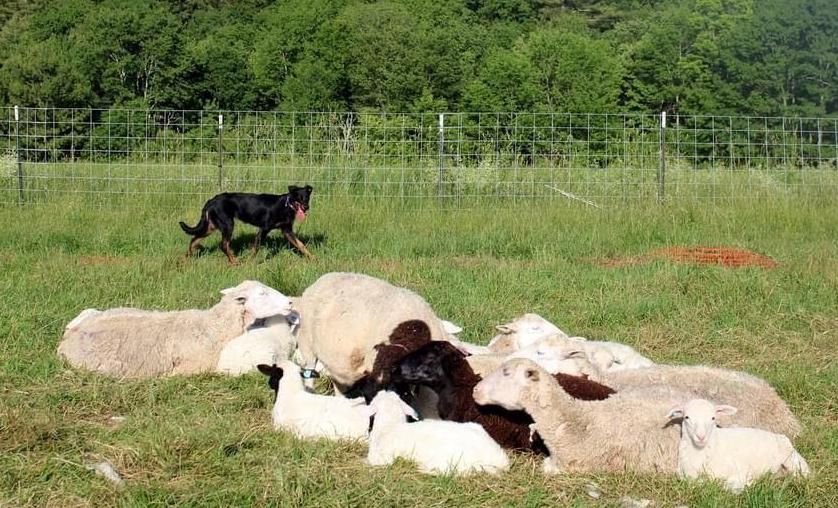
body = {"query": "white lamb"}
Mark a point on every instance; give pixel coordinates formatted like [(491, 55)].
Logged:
[(343, 316), (310, 415), (737, 456), (269, 342), (126, 342), (605, 356), (522, 332), (438, 447)]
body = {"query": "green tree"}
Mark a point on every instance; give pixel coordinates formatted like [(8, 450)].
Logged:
[(370, 57), (128, 49), (784, 59), (506, 81), (286, 29), (574, 71)]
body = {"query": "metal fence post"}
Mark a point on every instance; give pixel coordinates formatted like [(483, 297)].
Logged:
[(220, 151), (662, 166), (441, 153), (17, 158)]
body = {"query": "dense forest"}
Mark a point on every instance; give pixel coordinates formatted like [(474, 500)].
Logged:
[(755, 57)]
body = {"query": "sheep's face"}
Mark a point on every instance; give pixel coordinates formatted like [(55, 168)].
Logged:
[(698, 419), (259, 300), (527, 329), (506, 385), (388, 402)]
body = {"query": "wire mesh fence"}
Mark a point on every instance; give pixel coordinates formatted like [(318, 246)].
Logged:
[(106, 156)]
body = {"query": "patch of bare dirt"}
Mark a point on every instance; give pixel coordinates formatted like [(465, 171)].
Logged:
[(723, 256)]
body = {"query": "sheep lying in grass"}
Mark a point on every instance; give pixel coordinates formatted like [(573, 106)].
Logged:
[(604, 356), (522, 332), (438, 447), (128, 342), (758, 403), (738, 456), (570, 355), (273, 340), (756, 399), (309, 415), (622, 432), (343, 316), (442, 368)]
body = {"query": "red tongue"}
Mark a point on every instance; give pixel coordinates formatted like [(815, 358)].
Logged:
[(300, 215)]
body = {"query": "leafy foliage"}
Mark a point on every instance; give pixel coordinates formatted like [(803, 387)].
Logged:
[(691, 56)]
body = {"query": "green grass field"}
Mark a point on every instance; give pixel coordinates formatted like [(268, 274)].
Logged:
[(208, 441)]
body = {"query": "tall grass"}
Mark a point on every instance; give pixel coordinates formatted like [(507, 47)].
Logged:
[(176, 185), (206, 440)]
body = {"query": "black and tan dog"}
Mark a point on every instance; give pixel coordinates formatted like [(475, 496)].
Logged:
[(265, 211)]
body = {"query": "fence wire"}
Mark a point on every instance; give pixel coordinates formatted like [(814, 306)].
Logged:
[(107, 156)]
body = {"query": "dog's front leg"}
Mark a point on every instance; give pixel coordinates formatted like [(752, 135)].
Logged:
[(292, 238)]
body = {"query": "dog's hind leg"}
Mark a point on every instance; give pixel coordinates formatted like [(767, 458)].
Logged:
[(196, 240), (226, 228)]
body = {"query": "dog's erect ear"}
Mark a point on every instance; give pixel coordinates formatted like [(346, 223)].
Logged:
[(309, 188)]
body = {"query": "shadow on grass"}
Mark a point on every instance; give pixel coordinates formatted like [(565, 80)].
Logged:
[(275, 243)]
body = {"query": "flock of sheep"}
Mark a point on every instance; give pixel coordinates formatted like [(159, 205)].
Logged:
[(409, 387)]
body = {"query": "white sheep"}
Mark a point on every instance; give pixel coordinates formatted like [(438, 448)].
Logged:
[(604, 356), (738, 456), (752, 395), (343, 316), (618, 433), (522, 332), (127, 342), (310, 415), (554, 360), (267, 341), (438, 447), (759, 404)]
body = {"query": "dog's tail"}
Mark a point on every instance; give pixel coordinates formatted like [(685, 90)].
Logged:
[(199, 228)]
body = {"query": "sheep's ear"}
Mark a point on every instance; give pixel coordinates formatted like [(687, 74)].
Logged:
[(450, 327), (675, 412), (266, 369), (505, 329), (725, 410), (532, 375)]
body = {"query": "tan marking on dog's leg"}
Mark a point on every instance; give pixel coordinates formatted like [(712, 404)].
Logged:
[(225, 246), (291, 237)]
